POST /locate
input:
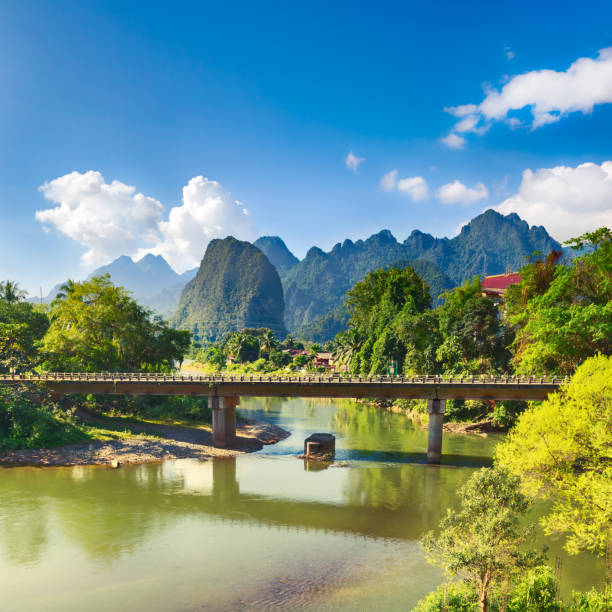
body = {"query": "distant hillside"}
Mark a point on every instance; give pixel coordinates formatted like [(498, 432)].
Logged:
[(490, 244), (236, 286), (151, 280), (277, 252)]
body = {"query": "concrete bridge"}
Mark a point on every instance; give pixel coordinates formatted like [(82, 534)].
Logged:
[(224, 391)]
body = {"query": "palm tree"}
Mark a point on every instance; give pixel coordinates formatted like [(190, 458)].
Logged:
[(267, 342), (11, 292), (348, 345), (66, 289)]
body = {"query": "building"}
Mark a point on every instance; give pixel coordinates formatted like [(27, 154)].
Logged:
[(324, 360), (496, 286)]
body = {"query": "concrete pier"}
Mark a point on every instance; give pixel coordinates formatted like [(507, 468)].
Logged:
[(436, 409), (224, 420)]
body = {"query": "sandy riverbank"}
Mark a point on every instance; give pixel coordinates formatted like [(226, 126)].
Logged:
[(157, 443)]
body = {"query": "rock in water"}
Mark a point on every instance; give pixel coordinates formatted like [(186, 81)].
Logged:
[(236, 287), (320, 445)]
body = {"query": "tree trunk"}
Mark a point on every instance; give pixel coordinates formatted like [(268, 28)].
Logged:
[(483, 600)]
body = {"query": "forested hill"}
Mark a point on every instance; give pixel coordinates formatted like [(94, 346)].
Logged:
[(489, 244), (235, 287), (277, 252)]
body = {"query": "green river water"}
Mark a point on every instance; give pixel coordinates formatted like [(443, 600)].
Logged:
[(261, 532)]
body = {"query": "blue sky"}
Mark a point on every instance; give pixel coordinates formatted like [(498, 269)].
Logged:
[(266, 100)]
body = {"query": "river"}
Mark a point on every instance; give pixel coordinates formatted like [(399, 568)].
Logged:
[(261, 532)]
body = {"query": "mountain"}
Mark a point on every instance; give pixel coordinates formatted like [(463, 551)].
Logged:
[(277, 252), (489, 244), (151, 281), (236, 286)]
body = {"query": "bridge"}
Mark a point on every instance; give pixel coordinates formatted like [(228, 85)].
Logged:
[(224, 391)]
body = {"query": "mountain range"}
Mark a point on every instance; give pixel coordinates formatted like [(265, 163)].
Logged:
[(234, 276)]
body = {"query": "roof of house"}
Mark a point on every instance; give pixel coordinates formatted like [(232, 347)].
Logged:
[(324, 355), (500, 281)]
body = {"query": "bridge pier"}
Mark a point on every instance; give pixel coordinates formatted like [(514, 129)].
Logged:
[(224, 420), (436, 409)]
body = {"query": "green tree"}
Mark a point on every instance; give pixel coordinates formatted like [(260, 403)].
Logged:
[(474, 339), (562, 324), (11, 292), (22, 327), (99, 327), (481, 542), (562, 450)]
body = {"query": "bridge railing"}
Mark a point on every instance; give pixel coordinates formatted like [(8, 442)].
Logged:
[(130, 377)]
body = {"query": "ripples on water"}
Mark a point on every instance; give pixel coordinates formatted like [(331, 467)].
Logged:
[(264, 531)]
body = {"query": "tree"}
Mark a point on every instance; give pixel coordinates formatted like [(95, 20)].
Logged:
[(474, 339), (267, 342), (561, 449), (11, 292), (562, 324), (98, 327), (22, 327), (480, 542)]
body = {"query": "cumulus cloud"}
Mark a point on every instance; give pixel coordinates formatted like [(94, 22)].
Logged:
[(207, 212), (352, 161), (549, 95), (510, 54), (458, 193), (566, 201), (111, 219), (453, 141), (416, 187), (388, 181)]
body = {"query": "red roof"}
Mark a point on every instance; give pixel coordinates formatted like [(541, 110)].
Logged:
[(500, 281)]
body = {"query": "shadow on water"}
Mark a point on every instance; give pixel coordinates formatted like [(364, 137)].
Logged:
[(389, 457)]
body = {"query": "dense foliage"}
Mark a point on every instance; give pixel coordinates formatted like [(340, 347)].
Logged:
[(490, 244), (236, 286), (97, 327), (563, 450), (563, 313)]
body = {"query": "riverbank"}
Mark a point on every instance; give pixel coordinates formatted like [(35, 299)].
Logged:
[(148, 443)]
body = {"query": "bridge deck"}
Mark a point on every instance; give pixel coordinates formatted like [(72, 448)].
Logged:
[(384, 387)]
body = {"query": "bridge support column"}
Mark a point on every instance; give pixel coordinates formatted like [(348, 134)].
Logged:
[(436, 409), (224, 420)]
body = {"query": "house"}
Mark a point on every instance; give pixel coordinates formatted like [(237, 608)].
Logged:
[(324, 360), (496, 286)]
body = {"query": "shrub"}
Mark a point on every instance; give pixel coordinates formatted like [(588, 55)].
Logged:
[(455, 597)]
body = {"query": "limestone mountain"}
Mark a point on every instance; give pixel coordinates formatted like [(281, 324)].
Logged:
[(489, 244), (236, 286), (277, 252)]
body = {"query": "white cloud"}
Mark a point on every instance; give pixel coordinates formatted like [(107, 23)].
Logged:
[(111, 219), (352, 161), (388, 181), (108, 219), (566, 201), (207, 212), (510, 54), (548, 94), (452, 141), (458, 193), (416, 187)]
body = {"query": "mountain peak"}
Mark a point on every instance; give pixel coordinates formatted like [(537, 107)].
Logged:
[(277, 252)]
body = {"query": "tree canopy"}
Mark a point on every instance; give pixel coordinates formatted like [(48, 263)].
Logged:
[(563, 449), (96, 326)]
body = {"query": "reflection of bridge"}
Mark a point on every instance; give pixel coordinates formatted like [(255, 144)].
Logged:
[(225, 391)]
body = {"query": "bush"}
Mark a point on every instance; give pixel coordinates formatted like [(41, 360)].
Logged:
[(454, 597), (29, 419), (535, 593), (466, 410), (593, 601)]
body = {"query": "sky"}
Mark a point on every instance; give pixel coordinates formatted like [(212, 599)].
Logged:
[(145, 127)]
